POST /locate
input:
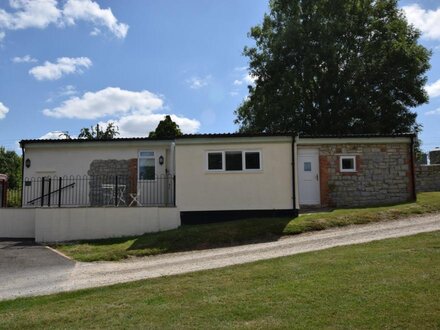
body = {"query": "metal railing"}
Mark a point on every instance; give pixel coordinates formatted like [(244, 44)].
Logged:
[(93, 191)]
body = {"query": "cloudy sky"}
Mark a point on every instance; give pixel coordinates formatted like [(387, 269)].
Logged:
[(70, 64)]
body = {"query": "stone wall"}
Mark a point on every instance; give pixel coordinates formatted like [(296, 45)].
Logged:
[(434, 157), (428, 178), (103, 173), (383, 175)]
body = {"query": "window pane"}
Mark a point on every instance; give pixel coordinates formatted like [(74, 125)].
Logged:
[(234, 161), (347, 163), (147, 169), (307, 166), (215, 161), (252, 160), (146, 154)]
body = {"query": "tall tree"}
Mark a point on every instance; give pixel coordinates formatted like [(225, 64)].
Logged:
[(10, 164), (334, 67), (97, 133), (166, 128)]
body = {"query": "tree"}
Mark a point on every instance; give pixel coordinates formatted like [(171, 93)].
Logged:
[(10, 164), (166, 128), (334, 67), (96, 133)]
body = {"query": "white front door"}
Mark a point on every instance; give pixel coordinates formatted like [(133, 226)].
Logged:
[(308, 176)]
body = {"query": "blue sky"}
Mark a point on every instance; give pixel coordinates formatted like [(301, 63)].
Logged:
[(73, 63)]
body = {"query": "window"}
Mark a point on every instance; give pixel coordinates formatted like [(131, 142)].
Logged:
[(307, 166), (233, 161), (215, 161), (252, 160), (347, 164), (147, 165)]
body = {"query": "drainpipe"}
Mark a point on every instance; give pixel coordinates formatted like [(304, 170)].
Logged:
[(22, 173), (413, 174), (293, 174)]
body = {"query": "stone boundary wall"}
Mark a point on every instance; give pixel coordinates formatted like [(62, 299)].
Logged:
[(383, 175), (427, 178)]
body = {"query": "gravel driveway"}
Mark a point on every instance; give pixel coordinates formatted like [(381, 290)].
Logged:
[(79, 275)]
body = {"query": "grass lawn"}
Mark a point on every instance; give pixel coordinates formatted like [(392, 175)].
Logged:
[(393, 283), (240, 232)]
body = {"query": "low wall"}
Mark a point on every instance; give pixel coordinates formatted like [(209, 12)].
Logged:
[(17, 223), (66, 224), (427, 178)]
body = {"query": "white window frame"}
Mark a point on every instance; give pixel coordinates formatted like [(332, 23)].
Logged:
[(243, 159), (353, 170), (146, 157)]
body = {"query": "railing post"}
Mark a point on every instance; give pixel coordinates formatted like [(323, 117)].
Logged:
[(48, 194), (116, 190), (60, 181), (42, 191)]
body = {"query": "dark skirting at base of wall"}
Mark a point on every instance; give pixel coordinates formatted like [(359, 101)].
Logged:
[(201, 217)]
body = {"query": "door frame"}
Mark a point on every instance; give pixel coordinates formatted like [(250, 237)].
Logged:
[(313, 151)]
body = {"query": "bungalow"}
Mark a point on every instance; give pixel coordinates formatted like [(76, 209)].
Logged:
[(209, 177)]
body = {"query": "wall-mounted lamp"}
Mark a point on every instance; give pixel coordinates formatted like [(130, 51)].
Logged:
[(161, 160), (27, 163)]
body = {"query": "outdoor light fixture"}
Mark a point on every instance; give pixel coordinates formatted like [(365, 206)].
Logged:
[(28, 163), (161, 160)]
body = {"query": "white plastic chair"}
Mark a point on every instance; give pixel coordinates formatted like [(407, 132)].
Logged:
[(135, 197)]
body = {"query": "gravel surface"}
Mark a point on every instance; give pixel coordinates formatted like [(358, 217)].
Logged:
[(45, 280)]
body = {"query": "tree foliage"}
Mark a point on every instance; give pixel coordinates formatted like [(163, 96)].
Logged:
[(97, 133), (166, 128), (334, 67), (10, 164)]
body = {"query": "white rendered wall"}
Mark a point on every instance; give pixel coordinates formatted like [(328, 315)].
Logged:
[(17, 223), (66, 224), (200, 190)]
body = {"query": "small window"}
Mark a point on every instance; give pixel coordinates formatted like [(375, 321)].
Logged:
[(348, 163), (147, 165), (252, 160), (307, 166), (234, 161), (215, 161)]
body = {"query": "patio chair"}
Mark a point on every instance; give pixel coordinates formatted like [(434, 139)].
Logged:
[(135, 198)]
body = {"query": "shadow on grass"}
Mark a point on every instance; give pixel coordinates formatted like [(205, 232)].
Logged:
[(199, 237)]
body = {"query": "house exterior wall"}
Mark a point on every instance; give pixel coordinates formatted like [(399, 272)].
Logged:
[(428, 178), (75, 159), (383, 174), (268, 189)]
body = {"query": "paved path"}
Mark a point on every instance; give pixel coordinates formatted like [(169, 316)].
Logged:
[(73, 276)]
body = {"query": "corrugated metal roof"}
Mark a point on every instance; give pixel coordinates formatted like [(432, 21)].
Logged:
[(212, 135)]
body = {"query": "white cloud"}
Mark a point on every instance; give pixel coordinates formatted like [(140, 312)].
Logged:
[(53, 135), (29, 14), (198, 82), (427, 21), (247, 79), (433, 89), (41, 13), (107, 102), (138, 125), (433, 112), (3, 110), (64, 91), (90, 11), (63, 66), (24, 59)]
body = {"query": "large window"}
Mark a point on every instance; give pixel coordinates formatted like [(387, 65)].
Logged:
[(233, 161), (347, 163), (147, 165)]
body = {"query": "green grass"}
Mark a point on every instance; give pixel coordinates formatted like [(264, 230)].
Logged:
[(241, 232), (393, 283)]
